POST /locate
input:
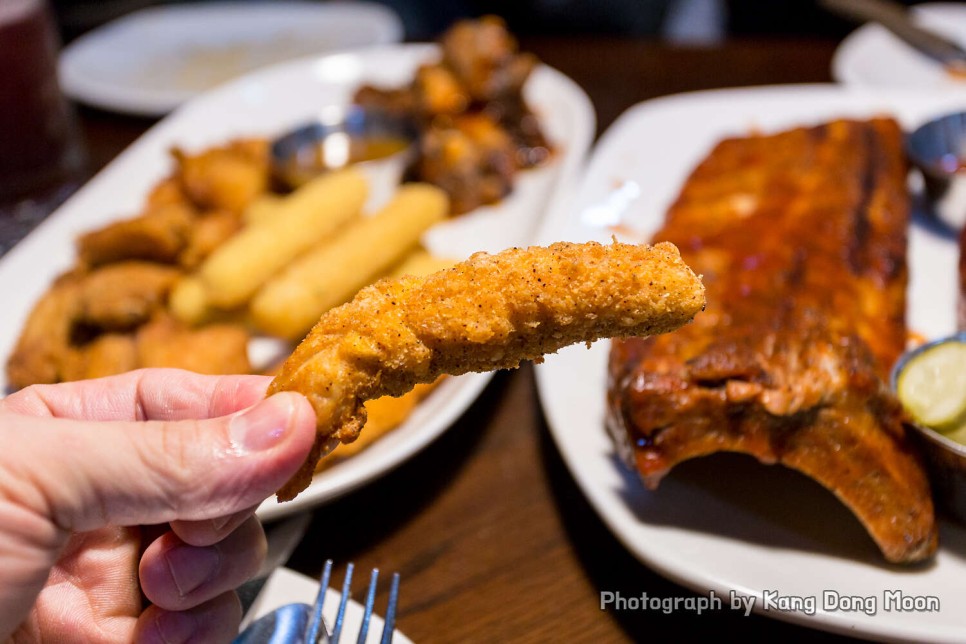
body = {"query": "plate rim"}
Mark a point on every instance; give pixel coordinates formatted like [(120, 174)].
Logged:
[(843, 72), (108, 95)]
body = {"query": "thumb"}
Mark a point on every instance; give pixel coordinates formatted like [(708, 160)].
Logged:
[(126, 473)]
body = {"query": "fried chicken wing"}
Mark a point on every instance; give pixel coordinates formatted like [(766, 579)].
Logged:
[(472, 158), (484, 56), (489, 312), (476, 129)]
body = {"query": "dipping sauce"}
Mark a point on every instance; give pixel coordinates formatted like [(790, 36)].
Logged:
[(335, 151), (956, 71)]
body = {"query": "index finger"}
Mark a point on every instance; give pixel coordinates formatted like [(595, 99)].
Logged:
[(145, 394)]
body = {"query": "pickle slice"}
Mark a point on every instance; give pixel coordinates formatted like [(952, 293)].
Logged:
[(932, 386), (957, 433)]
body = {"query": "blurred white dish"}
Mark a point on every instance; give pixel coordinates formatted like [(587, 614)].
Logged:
[(286, 586), (268, 103), (871, 56), (153, 60), (720, 523)]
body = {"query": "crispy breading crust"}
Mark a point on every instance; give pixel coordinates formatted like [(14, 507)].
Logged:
[(489, 312)]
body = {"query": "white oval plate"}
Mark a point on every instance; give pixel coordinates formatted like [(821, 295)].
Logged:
[(871, 56), (153, 60), (727, 523), (268, 103)]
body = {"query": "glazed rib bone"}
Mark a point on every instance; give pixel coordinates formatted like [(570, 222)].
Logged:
[(800, 238)]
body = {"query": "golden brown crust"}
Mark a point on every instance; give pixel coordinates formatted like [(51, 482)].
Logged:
[(489, 312), (123, 295), (211, 349), (157, 236), (36, 358), (106, 355)]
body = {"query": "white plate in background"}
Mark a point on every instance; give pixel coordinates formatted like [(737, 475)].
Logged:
[(268, 103), (150, 61), (727, 523), (871, 56)]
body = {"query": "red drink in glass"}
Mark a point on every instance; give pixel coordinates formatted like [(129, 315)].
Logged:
[(38, 145)]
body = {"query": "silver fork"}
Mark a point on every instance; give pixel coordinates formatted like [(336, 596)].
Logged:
[(317, 632), (301, 623)]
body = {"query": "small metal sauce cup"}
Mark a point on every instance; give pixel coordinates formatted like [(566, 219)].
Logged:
[(945, 458), (324, 145), (938, 150)]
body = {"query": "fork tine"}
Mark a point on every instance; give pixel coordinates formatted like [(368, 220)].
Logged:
[(340, 616), (370, 601), (316, 625), (389, 624)]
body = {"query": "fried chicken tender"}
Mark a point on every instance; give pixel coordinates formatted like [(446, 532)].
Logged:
[(159, 235), (45, 338), (213, 349), (120, 296), (225, 178), (106, 355), (489, 312), (168, 192)]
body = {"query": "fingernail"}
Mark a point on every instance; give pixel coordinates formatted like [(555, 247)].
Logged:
[(191, 567), (262, 426), (220, 522), (175, 628)]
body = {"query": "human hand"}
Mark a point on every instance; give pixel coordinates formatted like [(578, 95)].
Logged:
[(84, 465)]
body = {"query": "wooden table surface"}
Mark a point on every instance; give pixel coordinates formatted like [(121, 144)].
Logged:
[(492, 537)]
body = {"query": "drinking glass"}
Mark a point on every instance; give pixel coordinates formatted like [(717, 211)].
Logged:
[(39, 146)]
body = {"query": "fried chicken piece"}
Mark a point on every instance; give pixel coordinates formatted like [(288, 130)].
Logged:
[(62, 338), (167, 193), (158, 236), (210, 231), (484, 56), (46, 335), (119, 297), (213, 349), (472, 159), (437, 91), (489, 312), (225, 178), (106, 355)]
